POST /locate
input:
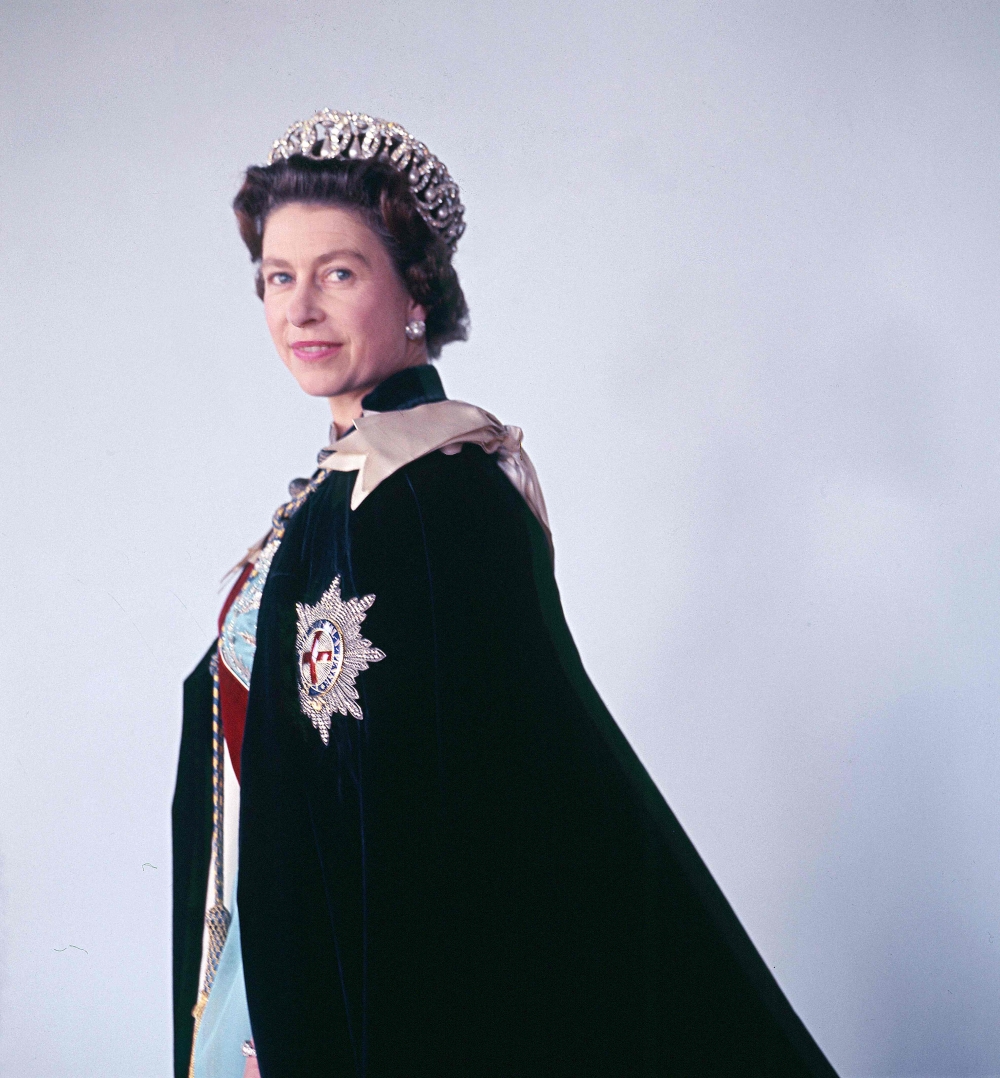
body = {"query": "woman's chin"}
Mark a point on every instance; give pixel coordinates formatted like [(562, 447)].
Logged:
[(321, 383)]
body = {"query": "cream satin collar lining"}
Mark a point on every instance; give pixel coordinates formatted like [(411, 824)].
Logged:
[(384, 442)]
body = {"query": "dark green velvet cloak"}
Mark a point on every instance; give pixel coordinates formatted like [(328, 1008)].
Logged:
[(479, 878)]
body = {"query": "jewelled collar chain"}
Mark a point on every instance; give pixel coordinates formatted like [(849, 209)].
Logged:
[(300, 489)]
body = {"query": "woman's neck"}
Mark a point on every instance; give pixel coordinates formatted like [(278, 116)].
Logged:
[(346, 407)]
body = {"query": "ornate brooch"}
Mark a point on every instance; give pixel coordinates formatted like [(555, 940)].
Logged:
[(331, 653)]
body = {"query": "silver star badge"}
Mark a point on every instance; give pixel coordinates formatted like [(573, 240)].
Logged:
[(331, 653)]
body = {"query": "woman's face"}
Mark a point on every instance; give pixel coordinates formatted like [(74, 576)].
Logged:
[(335, 305)]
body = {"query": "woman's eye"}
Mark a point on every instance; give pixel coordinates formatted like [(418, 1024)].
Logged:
[(340, 275), (279, 278)]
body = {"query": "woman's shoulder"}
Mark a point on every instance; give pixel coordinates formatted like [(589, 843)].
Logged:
[(442, 467), (463, 481), (461, 500)]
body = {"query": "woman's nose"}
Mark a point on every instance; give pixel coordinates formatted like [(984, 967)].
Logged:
[(304, 309)]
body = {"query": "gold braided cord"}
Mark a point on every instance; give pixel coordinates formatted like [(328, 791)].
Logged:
[(218, 801), (218, 918)]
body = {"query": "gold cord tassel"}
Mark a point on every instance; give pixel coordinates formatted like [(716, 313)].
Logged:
[(218, 918)]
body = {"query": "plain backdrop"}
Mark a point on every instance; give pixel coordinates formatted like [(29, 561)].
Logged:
[(733, 266)]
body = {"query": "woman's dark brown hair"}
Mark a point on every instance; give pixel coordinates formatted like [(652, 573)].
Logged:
[(381, 197)]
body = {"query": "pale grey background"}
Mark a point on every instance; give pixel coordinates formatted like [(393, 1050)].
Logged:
[(732, 266)]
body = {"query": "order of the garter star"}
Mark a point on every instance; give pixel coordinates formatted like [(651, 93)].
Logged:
[(331, 653)]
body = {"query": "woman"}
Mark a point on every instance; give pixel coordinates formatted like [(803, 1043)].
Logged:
[(450, 860)]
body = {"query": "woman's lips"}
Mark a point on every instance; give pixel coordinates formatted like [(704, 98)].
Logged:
[(313, 351)]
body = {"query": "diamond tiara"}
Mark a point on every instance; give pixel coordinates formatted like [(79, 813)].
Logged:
[(348, 136)]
